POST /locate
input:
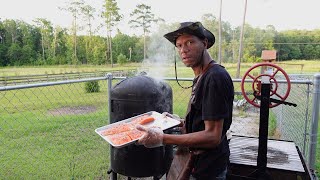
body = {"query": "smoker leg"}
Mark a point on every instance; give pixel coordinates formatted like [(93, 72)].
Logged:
[(113, 176)]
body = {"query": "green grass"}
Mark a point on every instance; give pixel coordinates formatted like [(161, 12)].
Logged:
[(36, 144), (34, 70), (291, 67), (57, 148), (272, 124)]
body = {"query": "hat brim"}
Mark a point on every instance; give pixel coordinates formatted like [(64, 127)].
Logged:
[(172, 36)]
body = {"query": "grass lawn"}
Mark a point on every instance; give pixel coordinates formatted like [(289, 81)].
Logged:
[(166, 70), (36, 143)]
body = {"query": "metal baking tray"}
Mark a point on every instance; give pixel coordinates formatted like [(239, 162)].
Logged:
[(164, 122)]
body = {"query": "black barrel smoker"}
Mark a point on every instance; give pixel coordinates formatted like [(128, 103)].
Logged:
[(131, 97), (262, 158)]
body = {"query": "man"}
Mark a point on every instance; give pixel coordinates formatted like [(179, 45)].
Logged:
[(209, 113)]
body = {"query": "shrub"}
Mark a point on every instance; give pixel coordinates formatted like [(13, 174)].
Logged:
[(121, 59), (92, 86)]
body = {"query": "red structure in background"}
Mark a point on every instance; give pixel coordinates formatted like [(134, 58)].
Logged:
[(268, 56)]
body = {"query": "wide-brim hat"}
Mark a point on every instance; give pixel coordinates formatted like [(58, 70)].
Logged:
[(192, 28)]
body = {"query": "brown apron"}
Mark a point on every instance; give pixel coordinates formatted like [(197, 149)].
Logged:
[(184, 159)]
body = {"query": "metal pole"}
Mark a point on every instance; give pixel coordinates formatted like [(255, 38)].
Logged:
[(219, 53), (109, 79), (314, 121), (241, 39), (306, 121), (263, 125), (281, 118)]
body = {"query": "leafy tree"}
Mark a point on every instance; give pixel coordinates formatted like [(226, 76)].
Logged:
[(59, 45), (27, 55), (227, 37), (1, 32), (46, 35), (25, 44), (3, 57), (11, 31), (308, 51), (317, 52), (137, 52), (143, 18), (88, 12), (98, 50), (112, 17), (229, 40), (295, 52), (270, 34), (14, 54), (210, 22), (25, 35), (123, 43), (82, 41), (74, 7)]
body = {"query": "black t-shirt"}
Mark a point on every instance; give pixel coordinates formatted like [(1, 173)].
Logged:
[(213, 100)]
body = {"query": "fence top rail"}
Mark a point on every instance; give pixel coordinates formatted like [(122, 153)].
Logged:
[(25, 86), (63, 74), (46, 75), (280, 81), (310, 82)]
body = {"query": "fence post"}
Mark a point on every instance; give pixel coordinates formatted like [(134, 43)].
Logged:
[(306, 121), (109, 79), (314, 121)]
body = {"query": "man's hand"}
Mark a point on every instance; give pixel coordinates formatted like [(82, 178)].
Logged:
[(152, 138)]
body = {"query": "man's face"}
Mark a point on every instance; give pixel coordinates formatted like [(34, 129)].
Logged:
[(190, 49)]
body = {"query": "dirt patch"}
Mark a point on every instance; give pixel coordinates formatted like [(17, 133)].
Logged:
[(73, 110)]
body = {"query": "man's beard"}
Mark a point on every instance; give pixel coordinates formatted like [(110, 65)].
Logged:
[(199, 61)]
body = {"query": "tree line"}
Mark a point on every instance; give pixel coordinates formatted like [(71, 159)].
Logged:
[(42, 43)]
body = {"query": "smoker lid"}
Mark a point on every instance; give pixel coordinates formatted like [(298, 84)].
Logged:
[(139, 86)]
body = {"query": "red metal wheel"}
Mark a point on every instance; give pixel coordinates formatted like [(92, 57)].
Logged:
[(253, 74)]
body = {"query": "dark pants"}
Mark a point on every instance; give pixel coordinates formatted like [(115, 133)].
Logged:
[(221, 176)]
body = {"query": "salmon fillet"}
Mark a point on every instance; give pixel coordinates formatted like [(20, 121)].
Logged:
[(119, 139), (119, 128)]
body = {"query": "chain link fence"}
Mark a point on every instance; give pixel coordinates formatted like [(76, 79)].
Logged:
[(47, 129), (293, 123), (47, 132)]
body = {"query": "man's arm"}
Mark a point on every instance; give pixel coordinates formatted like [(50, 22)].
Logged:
[(208, 138)]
